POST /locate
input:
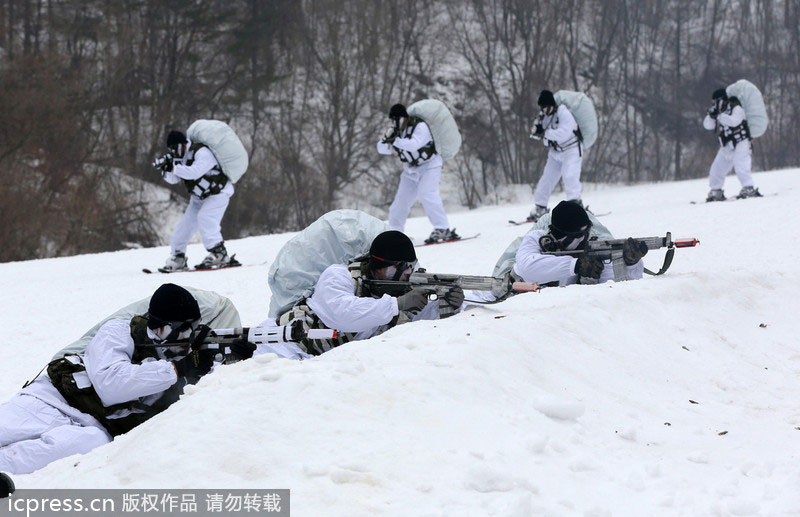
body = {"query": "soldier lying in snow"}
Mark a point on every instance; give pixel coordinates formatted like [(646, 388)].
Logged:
[(105, 385)]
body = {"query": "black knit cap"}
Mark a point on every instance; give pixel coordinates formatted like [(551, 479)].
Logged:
[(568, 218), (397, 111), (390, 247), (171, 303), (546, 99), (719, 94), (175, 138)]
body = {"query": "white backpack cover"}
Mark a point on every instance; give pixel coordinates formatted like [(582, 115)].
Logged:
[(337, 237), (444, 129), (216, 311), (507, 260), (753, 103), (582, 109), (223, 142)]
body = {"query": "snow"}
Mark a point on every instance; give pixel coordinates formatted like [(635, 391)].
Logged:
[(674, 395)]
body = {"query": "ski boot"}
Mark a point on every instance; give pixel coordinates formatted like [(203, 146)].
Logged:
[(442, 235), (218, 257), (176, 262), (537, 212), (715, 194), (748, 192)]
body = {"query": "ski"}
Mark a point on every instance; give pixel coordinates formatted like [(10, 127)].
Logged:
[(445, 242), (732, 198), (190, 270), (6, 486)]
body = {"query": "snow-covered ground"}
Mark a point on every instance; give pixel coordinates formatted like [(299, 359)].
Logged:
[(674, 395)]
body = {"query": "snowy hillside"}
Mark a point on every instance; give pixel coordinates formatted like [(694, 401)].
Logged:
[(675, 395)]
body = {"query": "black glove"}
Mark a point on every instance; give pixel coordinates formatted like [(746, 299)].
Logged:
[(633, 251), (454, 297), (243, 349), (413, 301), (195, 365), (199, 335), (589, 267), (713, 112)]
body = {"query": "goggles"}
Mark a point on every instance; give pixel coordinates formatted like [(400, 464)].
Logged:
[(173, 331), (395, 270), (178, 150), (569, 241)]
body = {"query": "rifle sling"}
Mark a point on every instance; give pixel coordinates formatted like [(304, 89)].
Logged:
[(665, 265)]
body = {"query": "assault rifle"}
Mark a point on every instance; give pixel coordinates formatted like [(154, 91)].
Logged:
[(535, 134), (392, 133), (222, 339), (611, 249), (437, 285), (164, 162)]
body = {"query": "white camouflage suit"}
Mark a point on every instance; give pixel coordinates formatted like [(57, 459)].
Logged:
[(533, 266), (335, 303), (561, 164), (203, 214), (420, 181), (38, 426), (732, 155)]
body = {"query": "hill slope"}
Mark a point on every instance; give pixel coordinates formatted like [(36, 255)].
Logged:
[(670, 395)]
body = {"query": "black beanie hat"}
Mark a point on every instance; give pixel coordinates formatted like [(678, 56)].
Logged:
[(397, 111), (568, 217), (546, 99), (719, 94), (389, 247), (170, 303), (175, 138)]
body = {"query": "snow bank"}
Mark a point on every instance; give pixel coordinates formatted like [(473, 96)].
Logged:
[(669, 395)]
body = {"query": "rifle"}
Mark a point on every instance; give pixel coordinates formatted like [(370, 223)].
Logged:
[(222, 339), (437, 285), (611, 249), (535, 134), (163, 162)]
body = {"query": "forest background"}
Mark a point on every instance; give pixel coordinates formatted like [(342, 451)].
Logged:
[(89, 89)]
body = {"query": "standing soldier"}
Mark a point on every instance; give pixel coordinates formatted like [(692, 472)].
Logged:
[(558, 130), (727, 118), (411, 139), (210, 192)]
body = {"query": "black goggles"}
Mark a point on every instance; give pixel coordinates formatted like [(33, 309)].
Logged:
[(570, 240), (396, 269), (176, 328)]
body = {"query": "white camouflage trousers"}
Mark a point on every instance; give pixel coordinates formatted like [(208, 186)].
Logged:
[(34, 434), (205, 214), (564, 165), (419, 182), (739, 158)]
